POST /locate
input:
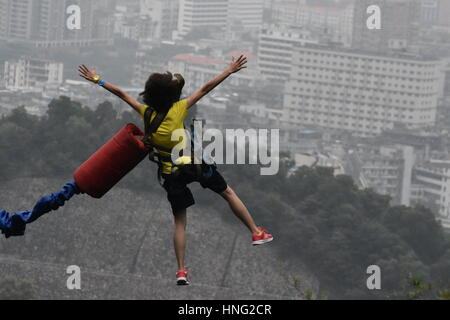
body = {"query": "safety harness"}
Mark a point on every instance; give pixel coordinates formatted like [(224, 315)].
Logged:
[(200, 171)]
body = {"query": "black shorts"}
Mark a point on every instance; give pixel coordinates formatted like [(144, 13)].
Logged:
[(180, 196)]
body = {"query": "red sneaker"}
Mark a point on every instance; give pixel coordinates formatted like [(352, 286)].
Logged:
[(182, 277), (264, 237)]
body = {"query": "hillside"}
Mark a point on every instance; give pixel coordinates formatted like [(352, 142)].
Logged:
[(123, 245)]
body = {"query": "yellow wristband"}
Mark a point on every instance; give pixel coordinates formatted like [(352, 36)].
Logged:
[(96, 79)]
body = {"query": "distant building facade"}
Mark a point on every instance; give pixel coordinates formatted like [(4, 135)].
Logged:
[(247, 14), (333, 22), (362, 93), (432, 183), (388, 170), (400, 20), (43, 22), (436, 12), (30, 73), (276, 47), (195, 14), (160, 17)]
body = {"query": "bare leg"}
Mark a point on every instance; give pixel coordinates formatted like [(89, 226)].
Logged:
[(179, 237), (239, 209)]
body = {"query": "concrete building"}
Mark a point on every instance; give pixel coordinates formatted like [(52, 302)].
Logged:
[(248, 14), (436, 12), (432, 185), (385, 168), (16, 21), (195, 14), (361, 93), (30, 73), (277, 44), (334, 23), (286, 11), (43, 22), (400, 21), (161, 17), (429, 11), (319, 160)]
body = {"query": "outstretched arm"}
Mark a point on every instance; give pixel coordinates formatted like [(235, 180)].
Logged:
[(91, 75), (235, 66)]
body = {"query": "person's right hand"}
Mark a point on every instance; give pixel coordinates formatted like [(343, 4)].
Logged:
[(237, 65)]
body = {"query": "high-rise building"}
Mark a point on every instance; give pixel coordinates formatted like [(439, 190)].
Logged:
[(196, 14), (246, 14), (362, 93), (16, 19), (31, 73), (276, 47), (400, 20), (43, 22), (333, 21), (161, 18)]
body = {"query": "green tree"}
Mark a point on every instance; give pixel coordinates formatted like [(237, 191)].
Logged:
[(419, 228)]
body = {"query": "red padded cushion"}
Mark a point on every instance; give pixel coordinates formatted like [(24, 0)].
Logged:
[(105, 168)]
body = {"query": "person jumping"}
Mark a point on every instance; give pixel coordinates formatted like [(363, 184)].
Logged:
[(163, 112)]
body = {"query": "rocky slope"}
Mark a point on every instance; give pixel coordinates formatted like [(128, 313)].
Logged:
[(123, 245)]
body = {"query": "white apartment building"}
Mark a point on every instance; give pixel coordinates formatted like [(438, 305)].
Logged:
[(360, 92), (248, 14), (432, 179), (31, 73), (201, 14), (233, 16), (276, 47), (387, 169)]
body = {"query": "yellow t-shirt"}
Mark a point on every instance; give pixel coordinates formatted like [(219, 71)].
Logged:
[(173, 121)]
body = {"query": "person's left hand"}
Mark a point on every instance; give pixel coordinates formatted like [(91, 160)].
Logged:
[(90, 75)]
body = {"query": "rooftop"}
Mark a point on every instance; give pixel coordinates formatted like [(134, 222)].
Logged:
[(197, 59), (399, 55)]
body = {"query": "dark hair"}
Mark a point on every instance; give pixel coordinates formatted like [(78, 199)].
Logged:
[(162, 90)]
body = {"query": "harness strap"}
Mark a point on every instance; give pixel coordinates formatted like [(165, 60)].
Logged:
[(151, 127)]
